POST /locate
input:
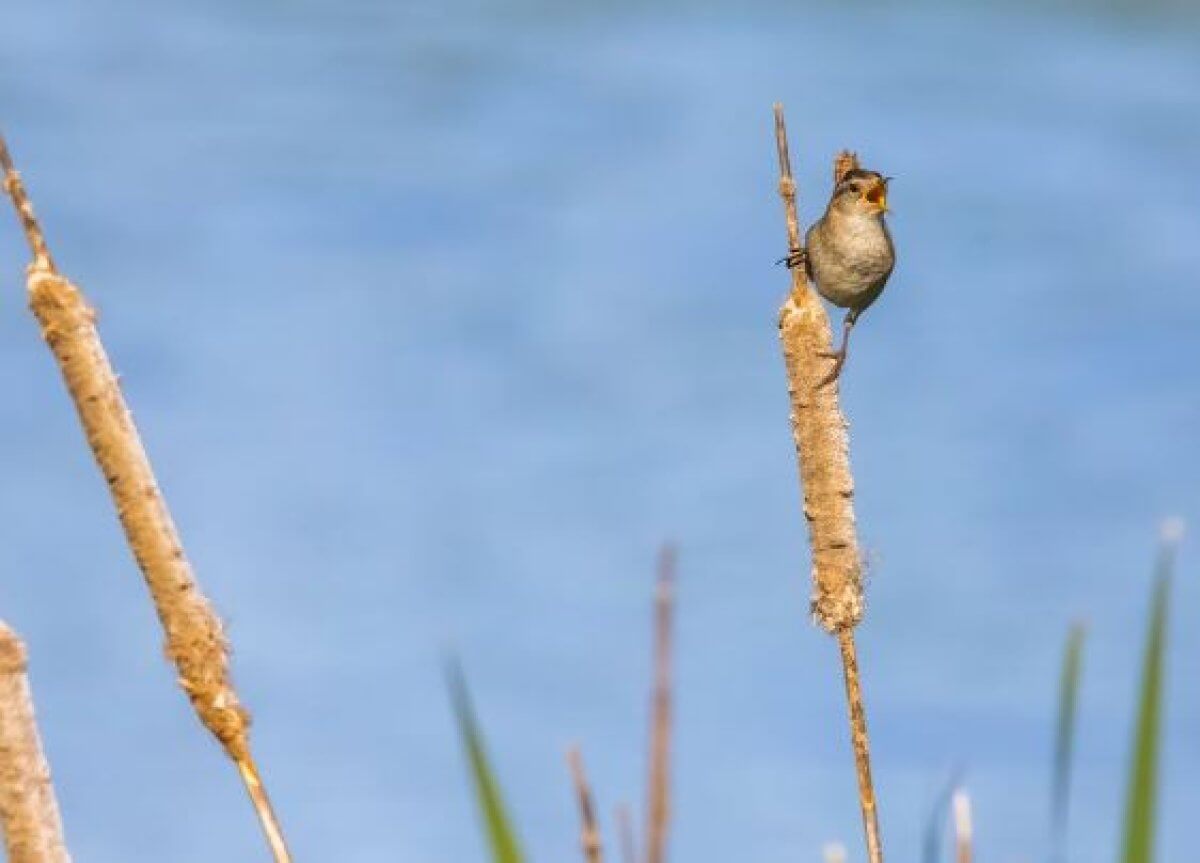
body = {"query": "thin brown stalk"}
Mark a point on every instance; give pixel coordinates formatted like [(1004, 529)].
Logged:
[(593, 851), (195, 637), (861, 744), (28, 808), (822, 449), (625, 832), (963, 831), (658, 803), (16, 191)]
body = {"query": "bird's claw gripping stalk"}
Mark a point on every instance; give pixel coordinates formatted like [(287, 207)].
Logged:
[(794, 258)]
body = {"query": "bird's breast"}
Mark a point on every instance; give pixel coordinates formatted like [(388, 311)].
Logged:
[(850, 259)]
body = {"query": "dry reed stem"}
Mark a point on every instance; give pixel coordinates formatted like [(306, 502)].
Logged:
[(963, 831), (822, 450), (625, 833), (589, 839), (28, 808), (195, 637), (658, 803), (16, 192)]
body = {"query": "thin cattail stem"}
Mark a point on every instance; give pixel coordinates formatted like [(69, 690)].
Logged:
[(28, 808), (861, 743), (195, 637), (822, 449), (625, 833), (658, 803), (963, 832), (16, 191), (593, 850), (267, 818)]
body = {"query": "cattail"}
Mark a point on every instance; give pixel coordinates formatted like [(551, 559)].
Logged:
[(822, 449), (195, 638), (28, 809), (593, 851), (819, 430)]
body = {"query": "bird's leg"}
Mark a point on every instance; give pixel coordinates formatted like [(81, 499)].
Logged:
[(839, 356), (794, 258)]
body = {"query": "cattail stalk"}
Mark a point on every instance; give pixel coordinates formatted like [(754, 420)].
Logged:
[(658, 803), (28, 808), (195, 637), (822, 449), (593, 851)]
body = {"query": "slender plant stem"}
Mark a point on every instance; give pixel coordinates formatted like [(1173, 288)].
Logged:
[(1142, 789), (272, 829), (1064, 741), (593, 849), (822, 450), (862, 744), (28, 808), (658, 804), (29, 224), (195, 637)]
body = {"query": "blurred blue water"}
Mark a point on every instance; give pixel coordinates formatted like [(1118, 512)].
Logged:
[(437, 319)]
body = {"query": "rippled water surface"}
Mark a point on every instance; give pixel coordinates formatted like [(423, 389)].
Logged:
[(439, 317)]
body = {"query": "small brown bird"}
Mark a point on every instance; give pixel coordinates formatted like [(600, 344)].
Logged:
[(848, 252)]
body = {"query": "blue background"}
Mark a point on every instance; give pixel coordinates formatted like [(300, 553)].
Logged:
[(439, 318)]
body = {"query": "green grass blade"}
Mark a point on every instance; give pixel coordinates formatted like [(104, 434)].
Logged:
[(1142, 788), (502, 839), (1064, 739)]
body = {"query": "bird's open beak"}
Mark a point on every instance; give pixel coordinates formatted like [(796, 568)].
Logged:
[(876, 196)]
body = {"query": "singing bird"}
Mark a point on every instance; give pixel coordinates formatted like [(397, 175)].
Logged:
[(849, 252)]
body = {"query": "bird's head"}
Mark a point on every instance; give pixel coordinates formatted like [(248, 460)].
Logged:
[(861, 192)]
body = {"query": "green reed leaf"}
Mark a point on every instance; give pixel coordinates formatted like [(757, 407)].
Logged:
[(1142, 788), (1064, 739), (501, 837)]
